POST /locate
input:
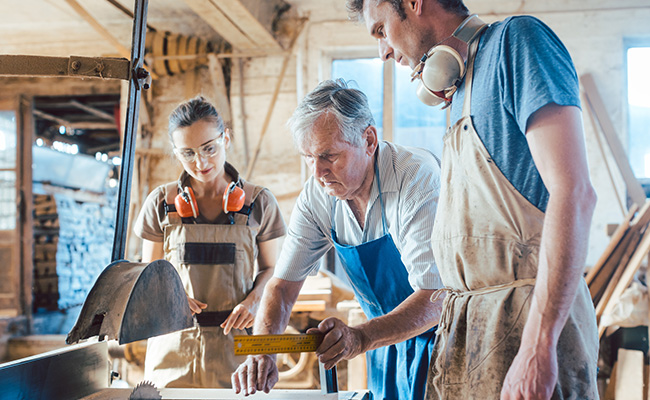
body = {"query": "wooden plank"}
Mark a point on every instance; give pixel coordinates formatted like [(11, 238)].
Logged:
[(274, 98), (221, 100), (93, 111), (615, 262), (247, 23), (221, 23), (629, 382), (597, 107), (615, 240), (25, 129), (309, 305), (124, 52), (601, 300), (631, 268), (619, 198)]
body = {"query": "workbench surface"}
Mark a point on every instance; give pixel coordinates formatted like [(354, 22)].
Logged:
[(228, 394)]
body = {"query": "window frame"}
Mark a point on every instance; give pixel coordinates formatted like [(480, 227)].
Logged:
[(629, 43)]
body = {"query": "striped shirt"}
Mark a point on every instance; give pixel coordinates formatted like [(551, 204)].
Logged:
[(410, 186)]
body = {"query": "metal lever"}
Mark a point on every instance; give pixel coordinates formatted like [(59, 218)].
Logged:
[(328, 379)]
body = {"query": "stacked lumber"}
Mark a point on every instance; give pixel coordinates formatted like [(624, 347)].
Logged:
[(72, 245), (622, 258), (46, 237)]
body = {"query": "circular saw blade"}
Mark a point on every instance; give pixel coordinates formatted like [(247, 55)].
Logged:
[(145, 390)]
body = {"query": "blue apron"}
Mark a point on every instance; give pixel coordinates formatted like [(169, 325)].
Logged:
[(380, 282)]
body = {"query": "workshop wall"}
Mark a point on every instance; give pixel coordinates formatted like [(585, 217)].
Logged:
[(593, 32)]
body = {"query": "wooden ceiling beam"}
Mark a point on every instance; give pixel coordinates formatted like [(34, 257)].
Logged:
[(232, 20), (247, 23), (92, 111), (99, 28), (75, 125), (220, 23)]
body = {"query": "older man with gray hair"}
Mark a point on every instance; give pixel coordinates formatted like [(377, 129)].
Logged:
[(374, 202)]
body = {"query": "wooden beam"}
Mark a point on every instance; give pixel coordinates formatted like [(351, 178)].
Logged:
[(93, 111), (630, 269), (25, 128), (619, 198), (274, 99), (75, 125), (73, 66), (629, 382), (128, 12), (221, 23), (124, 52), (247, 23), (597, 107), (613, 243), (222, 99)]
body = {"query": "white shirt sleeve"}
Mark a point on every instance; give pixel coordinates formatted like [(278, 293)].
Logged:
[(308, 236)]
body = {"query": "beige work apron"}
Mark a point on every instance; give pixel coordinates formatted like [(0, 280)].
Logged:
[(486, 240), (203, 356)]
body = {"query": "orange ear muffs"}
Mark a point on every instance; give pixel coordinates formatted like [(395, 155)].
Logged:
[(185, 203), (233, 198)]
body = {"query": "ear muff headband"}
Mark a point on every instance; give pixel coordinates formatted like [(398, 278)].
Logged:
[(442, 68)]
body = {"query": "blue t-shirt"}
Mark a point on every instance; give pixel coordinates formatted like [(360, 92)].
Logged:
[(521, 66)]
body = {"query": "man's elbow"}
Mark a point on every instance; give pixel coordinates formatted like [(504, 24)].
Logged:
[(585, 197)]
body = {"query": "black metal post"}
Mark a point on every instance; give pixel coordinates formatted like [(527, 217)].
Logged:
[(137, 82)]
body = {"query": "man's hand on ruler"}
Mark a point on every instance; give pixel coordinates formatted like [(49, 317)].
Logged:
[(340, 342), (258, 373)]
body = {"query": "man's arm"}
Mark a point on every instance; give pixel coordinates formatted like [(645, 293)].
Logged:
[(556, 141), (260, 372), (414, 316)]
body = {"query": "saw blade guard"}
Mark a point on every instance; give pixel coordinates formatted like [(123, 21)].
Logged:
[(133, 301)]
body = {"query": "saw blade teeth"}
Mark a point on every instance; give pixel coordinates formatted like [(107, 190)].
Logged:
[(145, 390)]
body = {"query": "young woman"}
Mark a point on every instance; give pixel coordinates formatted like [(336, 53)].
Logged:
[(214, 251)]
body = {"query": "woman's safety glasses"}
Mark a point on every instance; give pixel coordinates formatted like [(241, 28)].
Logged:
[(206, 150)]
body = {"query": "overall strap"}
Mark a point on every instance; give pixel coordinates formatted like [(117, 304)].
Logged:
[(251, 191), (171, 191)]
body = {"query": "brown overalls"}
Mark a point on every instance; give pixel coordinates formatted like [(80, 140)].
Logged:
[(216, 263)]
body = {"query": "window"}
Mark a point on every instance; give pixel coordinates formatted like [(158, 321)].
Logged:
[(638, 98), (399, 114)]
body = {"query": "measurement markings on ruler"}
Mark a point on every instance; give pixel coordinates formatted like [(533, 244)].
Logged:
[(271, 344)]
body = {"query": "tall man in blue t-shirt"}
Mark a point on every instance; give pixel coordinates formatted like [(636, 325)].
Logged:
[(510, 234)]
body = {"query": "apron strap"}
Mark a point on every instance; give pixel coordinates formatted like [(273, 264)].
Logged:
[(469, 78), (454, 294)]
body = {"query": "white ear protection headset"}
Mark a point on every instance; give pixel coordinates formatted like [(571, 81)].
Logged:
[(442, 69)]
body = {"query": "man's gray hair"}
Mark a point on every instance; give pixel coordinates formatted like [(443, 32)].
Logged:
[(349, 107)]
